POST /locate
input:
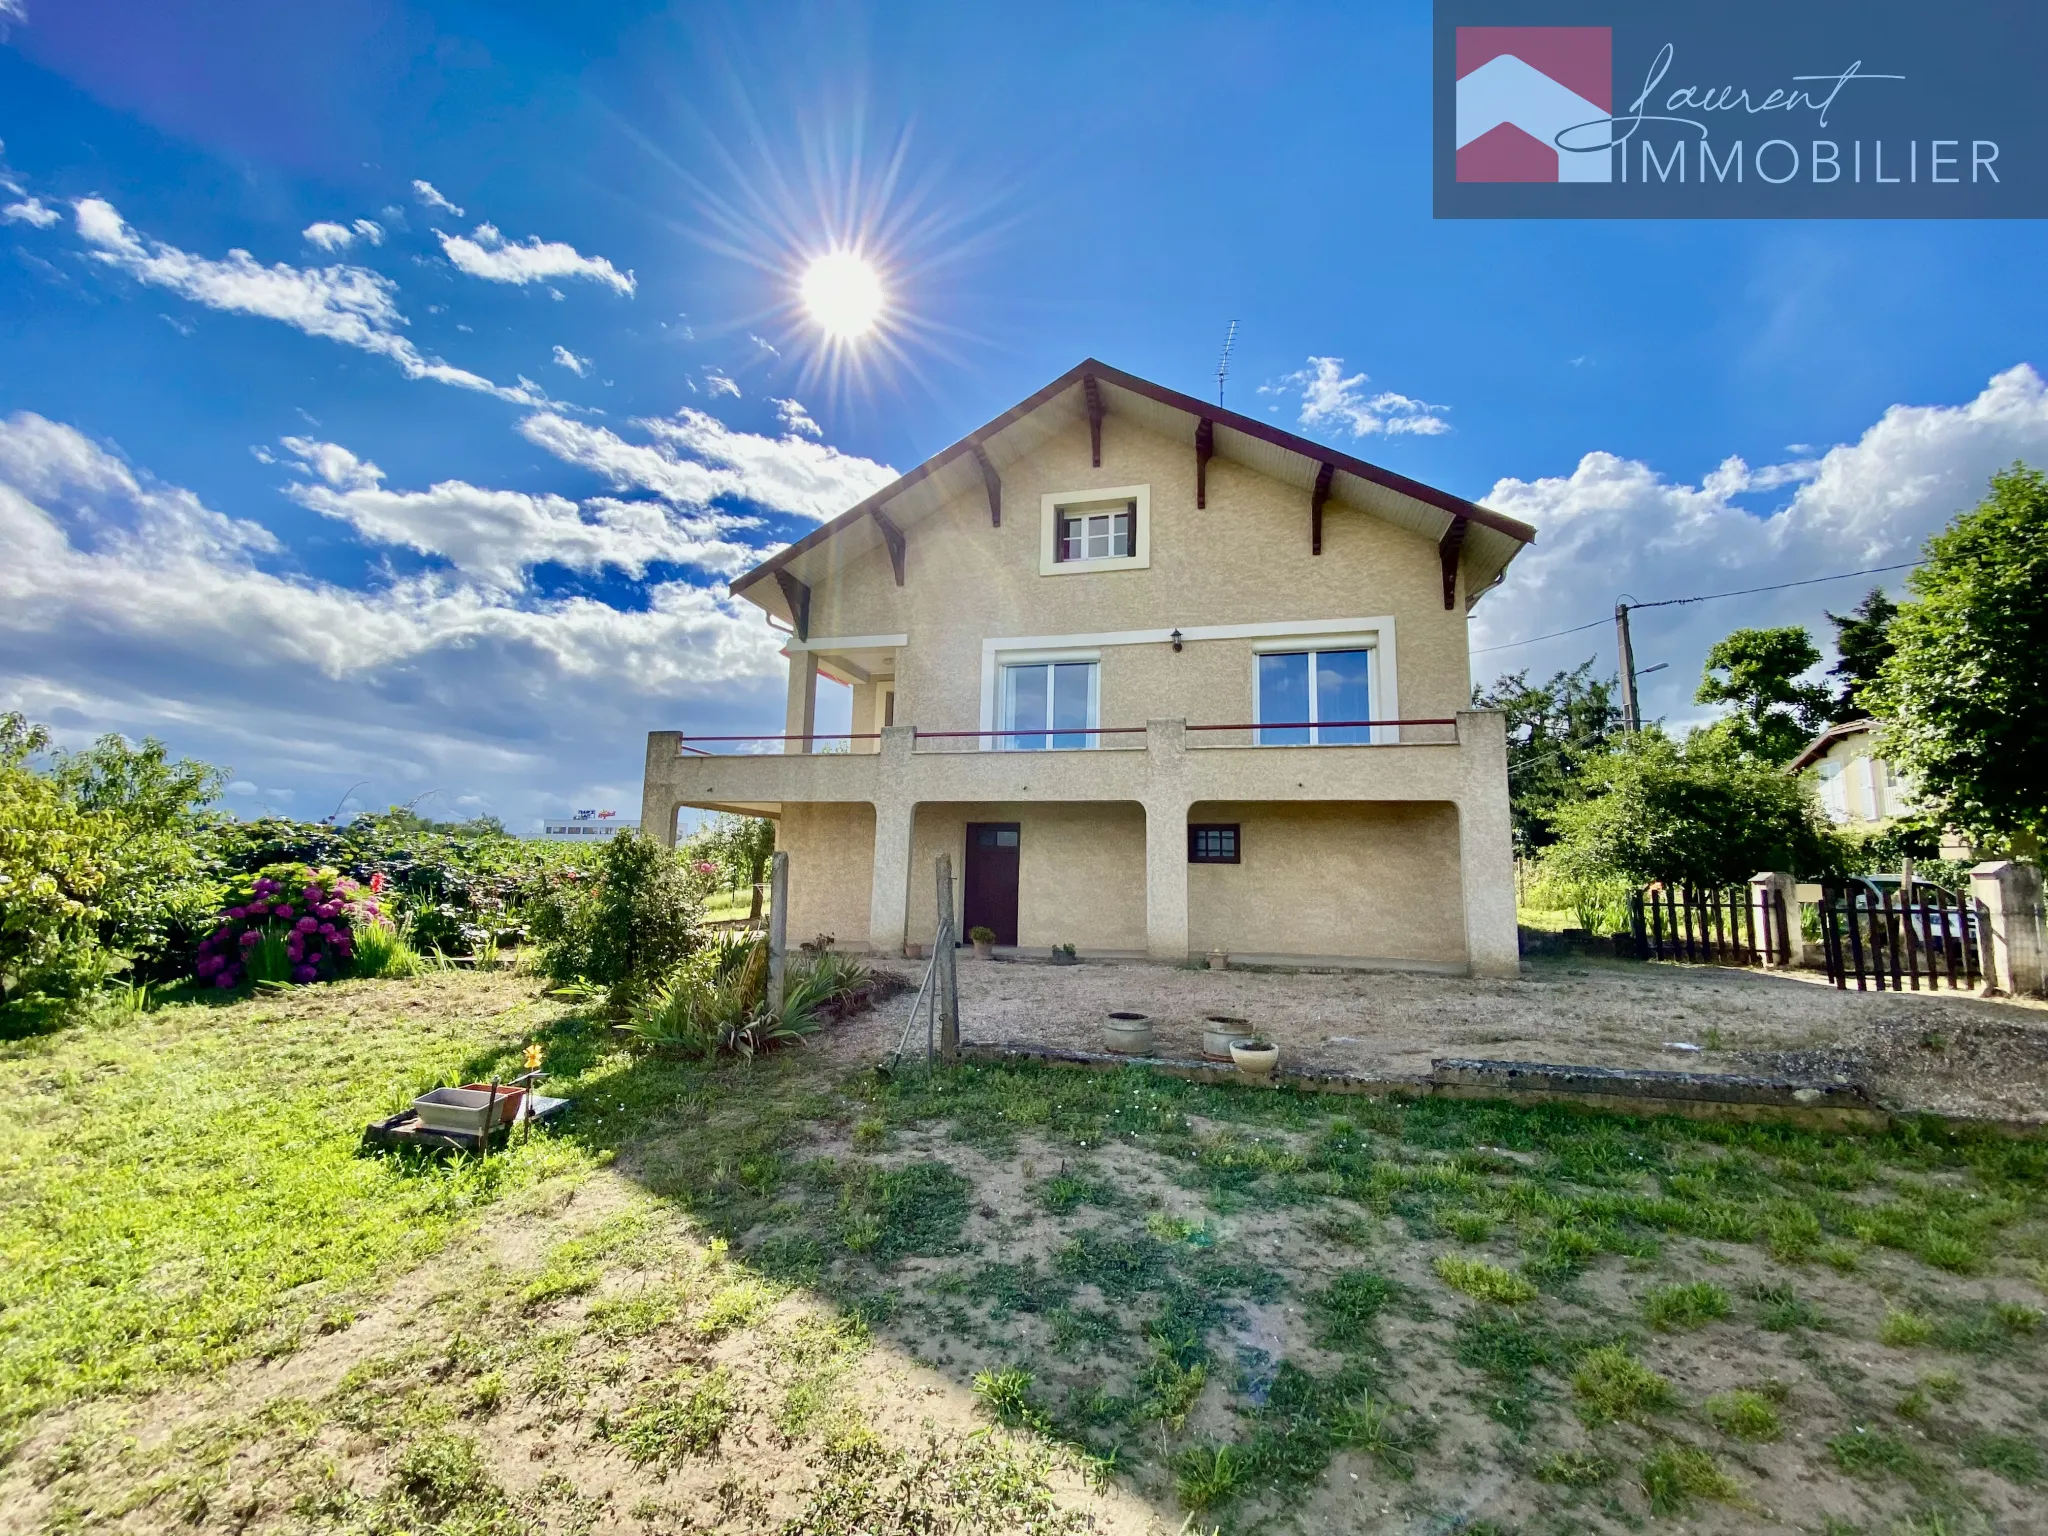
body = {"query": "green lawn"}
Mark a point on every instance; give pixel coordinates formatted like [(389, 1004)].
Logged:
[(1239, 1308)]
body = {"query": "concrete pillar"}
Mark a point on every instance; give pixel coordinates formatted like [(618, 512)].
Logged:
[(1766, 890), (895, 820), (2009, 899), (1166, 840), (1486, 850), (778, 929), (800, 718)]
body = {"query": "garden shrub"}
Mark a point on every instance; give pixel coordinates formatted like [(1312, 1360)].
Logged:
[(628, 928), (294, 921)]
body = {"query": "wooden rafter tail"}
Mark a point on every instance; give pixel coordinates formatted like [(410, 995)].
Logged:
[(1447, 548), (994, 482), (1205, 448), (1093, 392), (1315, 507), (893, 537), (798, 596)]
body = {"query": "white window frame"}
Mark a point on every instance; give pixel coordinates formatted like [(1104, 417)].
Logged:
[(1138, 497), (1284, 635), (1313, 645), (1007, 659)]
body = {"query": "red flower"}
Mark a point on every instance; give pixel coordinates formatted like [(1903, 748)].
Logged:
[(377, 880)]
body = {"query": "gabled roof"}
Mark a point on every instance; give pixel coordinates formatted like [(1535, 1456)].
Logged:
[(1817, 748), (1487, 543)]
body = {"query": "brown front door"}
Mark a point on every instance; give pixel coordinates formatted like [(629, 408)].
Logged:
[(989, 899)]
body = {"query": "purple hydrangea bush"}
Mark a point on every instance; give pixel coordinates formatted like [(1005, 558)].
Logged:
[(309, 916)]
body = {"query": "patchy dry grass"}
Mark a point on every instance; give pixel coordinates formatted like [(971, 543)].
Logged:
[(776, 1297)]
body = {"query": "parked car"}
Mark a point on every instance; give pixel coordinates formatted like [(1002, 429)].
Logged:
[(1945, 919)]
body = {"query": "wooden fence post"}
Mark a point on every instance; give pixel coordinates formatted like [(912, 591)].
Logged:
[(778, 929), (946, 957)]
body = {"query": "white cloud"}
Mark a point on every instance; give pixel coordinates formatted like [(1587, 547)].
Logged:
[(127, 604), (564, 358), (716, 384), (339, 237), (495, 538), (487, 254), (30, 210), (329, 237), (12, 11), (1330, 399), (428, 194), (764, 344), (786, 474), (795, 418), (351, 305), (1616, 527)]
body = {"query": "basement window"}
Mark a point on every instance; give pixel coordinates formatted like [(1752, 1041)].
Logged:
[(1212, 842)]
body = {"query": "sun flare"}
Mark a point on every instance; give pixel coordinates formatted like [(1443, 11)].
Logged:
[(843, 293)]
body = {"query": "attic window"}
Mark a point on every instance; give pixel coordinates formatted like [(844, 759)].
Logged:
[(1093, 534), (1096, 530)]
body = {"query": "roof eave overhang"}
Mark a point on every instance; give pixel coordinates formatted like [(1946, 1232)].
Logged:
[(1486, 557)]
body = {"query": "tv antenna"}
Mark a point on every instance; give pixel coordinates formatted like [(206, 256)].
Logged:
[(1223, 362)]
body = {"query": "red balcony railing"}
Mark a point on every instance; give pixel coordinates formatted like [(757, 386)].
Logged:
[(693, 744)]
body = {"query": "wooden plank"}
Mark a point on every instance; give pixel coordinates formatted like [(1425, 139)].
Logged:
[(1205, 449), (893, 537), (798, 596), (1093, 393), (1316, 499), (1854, 896), (1447, 552)]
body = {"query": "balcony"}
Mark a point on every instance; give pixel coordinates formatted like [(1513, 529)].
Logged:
[(1160, 762)]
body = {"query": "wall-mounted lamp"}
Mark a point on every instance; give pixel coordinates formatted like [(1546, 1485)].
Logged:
[(1175, 638)]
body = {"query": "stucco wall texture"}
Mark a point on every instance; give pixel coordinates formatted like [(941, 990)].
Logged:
[(1244, 559)]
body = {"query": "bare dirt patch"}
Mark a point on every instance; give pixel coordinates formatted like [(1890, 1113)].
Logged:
[(1912, 1051)]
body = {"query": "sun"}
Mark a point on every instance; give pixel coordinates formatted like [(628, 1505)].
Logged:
[(843, 292)]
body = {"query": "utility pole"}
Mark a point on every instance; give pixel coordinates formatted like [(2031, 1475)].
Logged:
[(1631, 721)]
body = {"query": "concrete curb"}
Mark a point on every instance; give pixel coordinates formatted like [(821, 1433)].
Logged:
[(1824, 1105)]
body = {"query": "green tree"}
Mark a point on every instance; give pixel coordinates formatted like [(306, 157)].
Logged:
[(741, 846), (1756, 672), (1862, 642), (1703, 812), (1966, 713), (161, 889), (1554, 729)]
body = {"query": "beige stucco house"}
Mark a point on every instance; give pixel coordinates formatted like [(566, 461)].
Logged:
[(1161, 678), (1858, 788)]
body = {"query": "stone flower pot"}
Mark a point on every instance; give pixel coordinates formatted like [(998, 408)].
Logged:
[(984, 949), (1218, 1031), (1128, 1034), (1255, 1059), (1219, 960)]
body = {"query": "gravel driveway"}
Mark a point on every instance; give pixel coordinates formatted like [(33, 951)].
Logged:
[(1952, 1053)]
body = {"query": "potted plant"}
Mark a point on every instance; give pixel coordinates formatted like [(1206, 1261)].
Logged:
[(1219, 960), (984, 941), (1128, 1034), (1218, 1031), (1063, 954), (1254, 1058)]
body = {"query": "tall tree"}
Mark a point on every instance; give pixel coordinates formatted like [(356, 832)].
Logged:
[(1756, 672), (742, 845), (1862, 642), (1554, 729), (1702, 811), (1962, 694)]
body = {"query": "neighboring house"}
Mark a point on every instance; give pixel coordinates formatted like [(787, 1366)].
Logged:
[(1161, 678), (1857, 787)]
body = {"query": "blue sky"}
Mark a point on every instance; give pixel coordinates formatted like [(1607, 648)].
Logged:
[(340, 510)]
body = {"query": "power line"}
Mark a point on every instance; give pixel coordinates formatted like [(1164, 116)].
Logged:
[(1672, 602)]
